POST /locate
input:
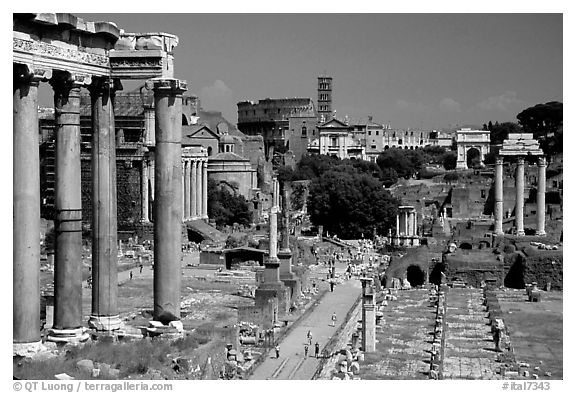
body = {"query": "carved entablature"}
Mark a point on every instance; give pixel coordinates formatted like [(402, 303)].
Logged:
[(39, 54), (520, 144), (143, 56)]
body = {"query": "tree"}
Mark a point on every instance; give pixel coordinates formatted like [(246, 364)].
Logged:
[(449, 160), (351, 204), (545, 122), (398, 160), (499, 132), (388, 177), (226, 208)]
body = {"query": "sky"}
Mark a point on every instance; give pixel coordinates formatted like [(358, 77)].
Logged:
[(408, 70)]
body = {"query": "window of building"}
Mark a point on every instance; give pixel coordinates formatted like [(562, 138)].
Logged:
[(373, 146), (369, 132), (394, 135), (377, 133), (399, 141), (304, 131), (334, 141), (411, 133), (482, 193)]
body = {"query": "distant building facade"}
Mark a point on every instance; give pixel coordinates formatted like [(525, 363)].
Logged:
[(269, 118), (336, 138)]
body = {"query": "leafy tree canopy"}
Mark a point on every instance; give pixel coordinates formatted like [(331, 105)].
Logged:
[(351, 204), (545, 121), (226, 208)]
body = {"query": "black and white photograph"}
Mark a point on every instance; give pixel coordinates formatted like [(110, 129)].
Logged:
[(287, 194)]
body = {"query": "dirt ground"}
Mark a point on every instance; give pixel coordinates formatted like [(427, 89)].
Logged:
[(535, 330)]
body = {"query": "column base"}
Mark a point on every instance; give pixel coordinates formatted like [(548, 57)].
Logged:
[(205, 217), (27, 349), (520, 233), (144, 221), (498, 233), (540, 233), (102, 323), (73, 336)]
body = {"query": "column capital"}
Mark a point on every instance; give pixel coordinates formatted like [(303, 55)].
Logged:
[(499, 160), (65, 80), (167, 85), (25, 73), (520, 160), (101, 85), (541, 161)]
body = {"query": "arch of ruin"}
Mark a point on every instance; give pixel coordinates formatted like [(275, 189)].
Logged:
[(72, 54), (467, 139)]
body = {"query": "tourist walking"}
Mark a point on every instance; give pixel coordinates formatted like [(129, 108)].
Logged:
[(131, 274), (305, 351), (333, 319), (309, 337), (316, 350), (141, 267), (277, 348)]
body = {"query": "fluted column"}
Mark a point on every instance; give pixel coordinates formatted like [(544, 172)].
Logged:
[(205, 189), (520, 197), (187, 189), (541, 197), (104, 214), (498, 197), (145, 192), (26, 205), (397, 224), (68, 204), (193, 196), (199, 189), (168, 194)]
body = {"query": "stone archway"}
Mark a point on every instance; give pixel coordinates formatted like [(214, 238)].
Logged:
[(473, 157), (415, 275)]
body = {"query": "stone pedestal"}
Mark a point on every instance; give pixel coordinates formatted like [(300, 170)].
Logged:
[(168, 197), (68, 205), (104, 219), (26, 213)]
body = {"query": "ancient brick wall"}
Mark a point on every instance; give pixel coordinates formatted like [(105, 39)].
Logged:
[(543, 269)]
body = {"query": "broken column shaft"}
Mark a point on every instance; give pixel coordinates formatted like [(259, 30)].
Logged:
[(368, 316)]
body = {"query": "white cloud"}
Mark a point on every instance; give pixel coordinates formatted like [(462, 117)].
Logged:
[(218, 97), (411, 106), (449, 105), (503, 102)]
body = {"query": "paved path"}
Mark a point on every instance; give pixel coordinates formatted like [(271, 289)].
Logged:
[(469, 349), (404, 339), (292, 364)]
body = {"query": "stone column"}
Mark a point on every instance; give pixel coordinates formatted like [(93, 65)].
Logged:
[(168, 194), (368, 316), (193, 197), (68, 205), (273, 275), (398, 224), (405, 223), (205, 189), (199, 188), (182, 163), (498, 197), (104, 214), (187, 165), (144, 181), (151, 176), (541, 197), (26, 205), (520, 197)]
